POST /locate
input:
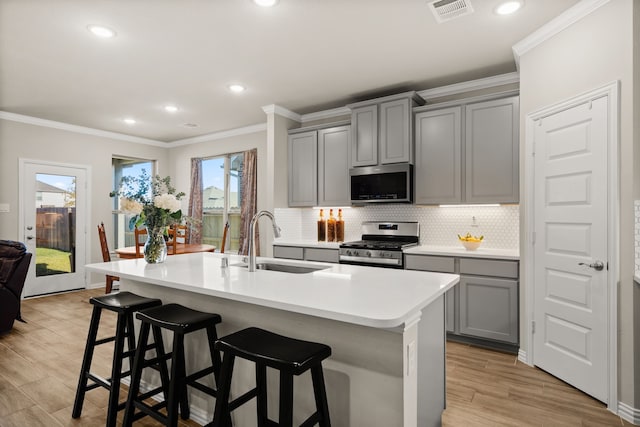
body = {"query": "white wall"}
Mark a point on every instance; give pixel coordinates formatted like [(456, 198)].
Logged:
[(593, 52)]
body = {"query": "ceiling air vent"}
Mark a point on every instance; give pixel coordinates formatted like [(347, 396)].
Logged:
[(446, 10)]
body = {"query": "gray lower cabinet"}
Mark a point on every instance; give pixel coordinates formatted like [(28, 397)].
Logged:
[(488, 308), (319, 162), (307, 254), (483, 307)]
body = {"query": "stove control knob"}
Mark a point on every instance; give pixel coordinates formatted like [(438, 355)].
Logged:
[(349, 252), (368, 253)]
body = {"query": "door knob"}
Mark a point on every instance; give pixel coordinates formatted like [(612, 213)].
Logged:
[(598, 265), (29, 237)]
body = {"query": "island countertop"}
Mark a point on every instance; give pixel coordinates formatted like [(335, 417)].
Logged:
[(367, 296)]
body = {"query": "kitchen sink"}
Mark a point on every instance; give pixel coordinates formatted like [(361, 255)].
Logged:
[(284, 268)]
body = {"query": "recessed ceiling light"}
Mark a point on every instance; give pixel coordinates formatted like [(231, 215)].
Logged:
[(508, 7), (129, 121), (170, 108), (236, 88), (100, 31), (265, 3)]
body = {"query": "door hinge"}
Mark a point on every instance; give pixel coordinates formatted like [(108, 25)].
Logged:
[(533, 326), (533, 238)]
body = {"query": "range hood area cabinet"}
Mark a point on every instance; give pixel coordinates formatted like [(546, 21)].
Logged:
[(319, 166), (468, 153), (382, 130)]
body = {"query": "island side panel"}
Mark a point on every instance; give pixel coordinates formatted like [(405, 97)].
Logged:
[(364, 374), (431, 364)]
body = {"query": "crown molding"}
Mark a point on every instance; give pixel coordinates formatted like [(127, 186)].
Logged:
[(454, 89), (4, 115), (326, 114), (556, 25), (260, 127), (281, 111)]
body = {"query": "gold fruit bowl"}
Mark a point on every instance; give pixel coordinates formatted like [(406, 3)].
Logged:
[(469, 245)]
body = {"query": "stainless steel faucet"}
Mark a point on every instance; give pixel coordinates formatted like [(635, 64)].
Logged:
[(252, 236)]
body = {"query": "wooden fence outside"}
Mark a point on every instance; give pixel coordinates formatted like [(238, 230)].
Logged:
[(55, 228)]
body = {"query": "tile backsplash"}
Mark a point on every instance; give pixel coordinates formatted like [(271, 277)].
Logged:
[(438, 225)]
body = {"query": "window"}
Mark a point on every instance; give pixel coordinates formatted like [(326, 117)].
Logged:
[(221, 199), (122, 167)]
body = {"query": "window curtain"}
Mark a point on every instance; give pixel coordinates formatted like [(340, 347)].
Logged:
[(248, 205), (195, 202)]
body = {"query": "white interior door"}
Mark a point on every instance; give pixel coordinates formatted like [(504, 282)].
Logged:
[(571, 337), (53, 211)]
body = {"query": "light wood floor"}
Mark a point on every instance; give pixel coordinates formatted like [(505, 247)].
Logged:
[(40, 362)]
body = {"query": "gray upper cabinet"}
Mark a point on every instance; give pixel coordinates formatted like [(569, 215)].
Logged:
[(438, 163), (395, 132), (364, 122), (382, 130), (303, 169), (468, 153), (333, 166), (319, 167), (492, 142)]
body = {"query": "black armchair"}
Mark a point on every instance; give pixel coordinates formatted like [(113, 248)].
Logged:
[(14, 263)]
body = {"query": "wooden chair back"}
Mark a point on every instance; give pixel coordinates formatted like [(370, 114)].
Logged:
[(106, 257), (224, 237), (141, 237), (178, 235)]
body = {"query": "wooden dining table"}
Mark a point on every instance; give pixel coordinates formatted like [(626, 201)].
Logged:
[(130, 251)]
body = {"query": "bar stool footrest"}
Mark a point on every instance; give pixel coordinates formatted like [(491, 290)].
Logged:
[(239, 401), (312, 420)]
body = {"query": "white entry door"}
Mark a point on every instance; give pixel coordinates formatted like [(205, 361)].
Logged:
[(571, 295), (53, 211)]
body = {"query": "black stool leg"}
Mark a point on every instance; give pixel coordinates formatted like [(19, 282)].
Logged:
[(136, 374), (116, 371), (222, 417), (86, 362), (162, 363), (131, 339), (175, 385), (286, 399), (320, 394), (261, 398)]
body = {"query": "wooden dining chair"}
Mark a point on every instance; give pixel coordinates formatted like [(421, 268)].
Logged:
[(224, 237), (141, 237), (106, 257), (178, 235)]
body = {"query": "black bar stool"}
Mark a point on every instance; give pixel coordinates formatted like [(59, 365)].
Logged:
[(289, 356), (181, 321), (124, 304)]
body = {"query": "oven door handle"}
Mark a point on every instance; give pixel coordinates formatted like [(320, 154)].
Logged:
[(389, 261)]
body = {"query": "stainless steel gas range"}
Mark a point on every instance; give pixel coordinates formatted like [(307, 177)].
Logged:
[(381, 245)]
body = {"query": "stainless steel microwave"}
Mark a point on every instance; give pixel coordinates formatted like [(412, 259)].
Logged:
[(382, 184)]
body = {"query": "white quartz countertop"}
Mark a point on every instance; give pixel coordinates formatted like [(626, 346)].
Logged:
[(368, 296), (460, 251), (306, 244)]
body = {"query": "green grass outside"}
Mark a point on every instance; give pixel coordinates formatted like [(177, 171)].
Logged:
[(52, 261)]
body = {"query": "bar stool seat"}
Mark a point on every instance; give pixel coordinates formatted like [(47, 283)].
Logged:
[(289, 356), (124, 304), (181, 321)]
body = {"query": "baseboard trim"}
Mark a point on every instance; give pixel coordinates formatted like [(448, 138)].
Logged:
[(522, 356), (629, 413)]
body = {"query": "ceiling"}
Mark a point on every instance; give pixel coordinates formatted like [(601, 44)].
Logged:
[(303, 55)]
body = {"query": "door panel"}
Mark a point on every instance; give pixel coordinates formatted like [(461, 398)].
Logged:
[(571, 334), (53, 212)]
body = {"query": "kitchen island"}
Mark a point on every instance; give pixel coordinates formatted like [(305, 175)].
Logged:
[(385, 328)]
